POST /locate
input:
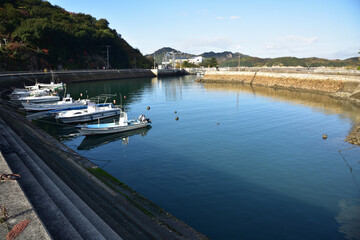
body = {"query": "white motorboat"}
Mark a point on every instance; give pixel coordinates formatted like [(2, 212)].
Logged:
[(39, 99), (19, 93), (64, 103), (50, 86), (92, 112), (123, 125), (93, 141)]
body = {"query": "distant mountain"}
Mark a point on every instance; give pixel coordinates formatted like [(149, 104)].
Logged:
[(230, 59), (163, 50), (223, 55), (159, 54)]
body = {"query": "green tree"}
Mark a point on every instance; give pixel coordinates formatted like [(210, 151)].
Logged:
[(210, 62), (187, 64), (54, 37)]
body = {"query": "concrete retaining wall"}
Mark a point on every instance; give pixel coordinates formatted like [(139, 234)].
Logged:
[(311, 82), (19, 78), (168, 72)]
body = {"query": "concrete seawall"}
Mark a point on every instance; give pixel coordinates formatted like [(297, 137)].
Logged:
[(19, 78), (309, 82)]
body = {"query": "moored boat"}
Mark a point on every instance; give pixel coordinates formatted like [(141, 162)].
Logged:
[(92, 112), (93, 141), (116, 127), (39, 99), (66, 102), (19, 93), (50, 86)]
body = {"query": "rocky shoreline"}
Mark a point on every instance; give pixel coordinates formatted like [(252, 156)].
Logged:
[(354, 136), (342, 87)]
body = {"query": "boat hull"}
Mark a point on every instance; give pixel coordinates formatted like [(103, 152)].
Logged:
[(40, 99), (87, 131), (47, 107), (90, 116)]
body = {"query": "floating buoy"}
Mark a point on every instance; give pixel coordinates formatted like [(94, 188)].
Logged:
[(148, 108), (175, 112), (324, 136), (218, 123), (177, 118)]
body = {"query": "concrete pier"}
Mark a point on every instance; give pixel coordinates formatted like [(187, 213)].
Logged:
[(72, 76)]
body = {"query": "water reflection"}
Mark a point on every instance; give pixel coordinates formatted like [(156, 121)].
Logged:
[(171, 87), (349, 218), (319, 102), (90, 142)]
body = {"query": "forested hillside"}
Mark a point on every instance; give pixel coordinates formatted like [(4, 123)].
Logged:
[(35, 35)]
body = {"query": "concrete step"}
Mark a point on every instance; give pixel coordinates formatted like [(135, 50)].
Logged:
[(63, 213)]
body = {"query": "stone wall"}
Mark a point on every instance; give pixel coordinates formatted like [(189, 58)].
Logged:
[(310, 82)]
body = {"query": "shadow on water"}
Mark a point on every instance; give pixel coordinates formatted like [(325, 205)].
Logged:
[(257, 213), (124, 89), (90, 142), (63, 131)]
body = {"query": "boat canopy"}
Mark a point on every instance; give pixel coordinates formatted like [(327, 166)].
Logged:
[(123, 120)]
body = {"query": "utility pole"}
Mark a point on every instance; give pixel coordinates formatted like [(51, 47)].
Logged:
[(154, 60), (173, 59), (107, 57)]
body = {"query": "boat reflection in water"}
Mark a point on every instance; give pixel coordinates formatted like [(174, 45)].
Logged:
[(99, 140)]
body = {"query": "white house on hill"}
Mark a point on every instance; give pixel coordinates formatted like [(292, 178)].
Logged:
[(196, 60)]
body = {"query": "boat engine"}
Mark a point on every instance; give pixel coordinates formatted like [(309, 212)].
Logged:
[(142, 118)]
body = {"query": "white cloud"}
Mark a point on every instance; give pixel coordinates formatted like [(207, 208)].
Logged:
[(200, 45), (234, 17), (202, 11), (230, 17), (269, 46), (300, 39), (343, 53), (291, 45)]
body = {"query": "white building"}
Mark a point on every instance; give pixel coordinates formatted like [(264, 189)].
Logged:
[(196, 60)]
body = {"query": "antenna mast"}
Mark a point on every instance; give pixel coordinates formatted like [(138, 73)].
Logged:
[(107, 57)]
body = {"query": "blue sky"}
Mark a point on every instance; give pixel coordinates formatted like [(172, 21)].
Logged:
[(277, 28)]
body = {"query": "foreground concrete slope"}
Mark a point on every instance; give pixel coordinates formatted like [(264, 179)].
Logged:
[(15, 204), (62, 212)]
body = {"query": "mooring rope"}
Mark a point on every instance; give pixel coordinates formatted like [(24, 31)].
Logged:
[(350, 168), (10, 176)]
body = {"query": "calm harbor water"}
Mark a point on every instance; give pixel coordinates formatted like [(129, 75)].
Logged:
[(240, 163)]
